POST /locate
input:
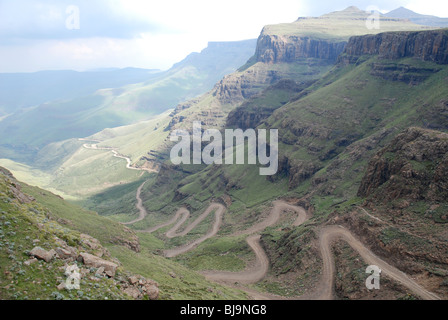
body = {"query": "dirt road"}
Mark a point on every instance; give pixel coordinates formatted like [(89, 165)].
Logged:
[(182, 215), (116, 155), (328, 235), (261, 267), (251, 275), (140, 207), (332, 233), (182, 212)]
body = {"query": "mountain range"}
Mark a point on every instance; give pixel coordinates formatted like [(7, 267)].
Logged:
[(362, 116), (55, 106), (417, 18)]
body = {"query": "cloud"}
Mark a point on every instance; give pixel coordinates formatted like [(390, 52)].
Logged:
[(148, 33), (51, 19)]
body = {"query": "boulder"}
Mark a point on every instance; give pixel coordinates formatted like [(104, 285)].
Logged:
[(93, 261), (152, 290), (133, 292), (67, 253), (43, 254), (133, 280)]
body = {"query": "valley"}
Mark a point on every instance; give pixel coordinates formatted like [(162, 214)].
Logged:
[(362, 120)]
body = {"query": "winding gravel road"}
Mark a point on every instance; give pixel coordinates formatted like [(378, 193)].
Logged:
[(140, 207), (328, 235), (182, 215), (116, 155)]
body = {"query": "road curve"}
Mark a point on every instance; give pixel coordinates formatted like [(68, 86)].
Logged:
[(182, 215), (261, 267), (328, 235), (140, 207), (332, 233), (116, 155), (250, 275)]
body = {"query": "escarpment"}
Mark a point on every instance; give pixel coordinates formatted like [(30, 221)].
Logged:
[(424, 45), (275, 49), (277, 58)]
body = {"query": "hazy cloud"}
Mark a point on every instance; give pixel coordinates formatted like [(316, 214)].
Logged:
[(47, 19), (149, 33)]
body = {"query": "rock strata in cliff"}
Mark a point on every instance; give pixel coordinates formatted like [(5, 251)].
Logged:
[(275, 49), (424, 45)]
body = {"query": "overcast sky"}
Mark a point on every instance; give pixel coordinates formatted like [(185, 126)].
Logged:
[(45, 34)]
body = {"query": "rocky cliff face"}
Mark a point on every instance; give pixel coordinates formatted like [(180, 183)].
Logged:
[(424, 45), (275, 49), (314, 54), (236, 87), (414, 166)]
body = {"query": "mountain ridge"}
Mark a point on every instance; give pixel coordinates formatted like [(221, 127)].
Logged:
[(404, 13)]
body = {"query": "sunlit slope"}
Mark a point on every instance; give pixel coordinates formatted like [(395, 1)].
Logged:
[(25, 131)]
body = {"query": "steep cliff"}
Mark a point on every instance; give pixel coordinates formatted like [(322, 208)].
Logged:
[(329, 134), (275, 49), (423, 45)]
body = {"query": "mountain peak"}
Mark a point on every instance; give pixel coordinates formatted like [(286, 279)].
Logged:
[(403, 13), (348, 13), (352, 8), (421, 19)]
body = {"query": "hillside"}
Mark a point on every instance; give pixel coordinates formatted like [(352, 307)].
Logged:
[(23, 90), (363, 124), (289, 57), (41, 235), (112, 103), (323, 164)]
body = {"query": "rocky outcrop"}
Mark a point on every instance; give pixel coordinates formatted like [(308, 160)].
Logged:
[(414, 166), (424, 45), (43, 254), (16, 190), (137, 287), (275, 49), (237, 87), (401, 72), (252, 112), (93, 261)]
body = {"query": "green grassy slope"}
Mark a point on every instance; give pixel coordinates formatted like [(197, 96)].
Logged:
[(44, 216)]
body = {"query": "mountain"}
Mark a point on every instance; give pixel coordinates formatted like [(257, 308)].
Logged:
[(425, 20), (301, 52), (362, 120), (77, 114), (343, 134), (24, 90)]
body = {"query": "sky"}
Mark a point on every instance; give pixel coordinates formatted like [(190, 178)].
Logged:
[(82, 35)]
